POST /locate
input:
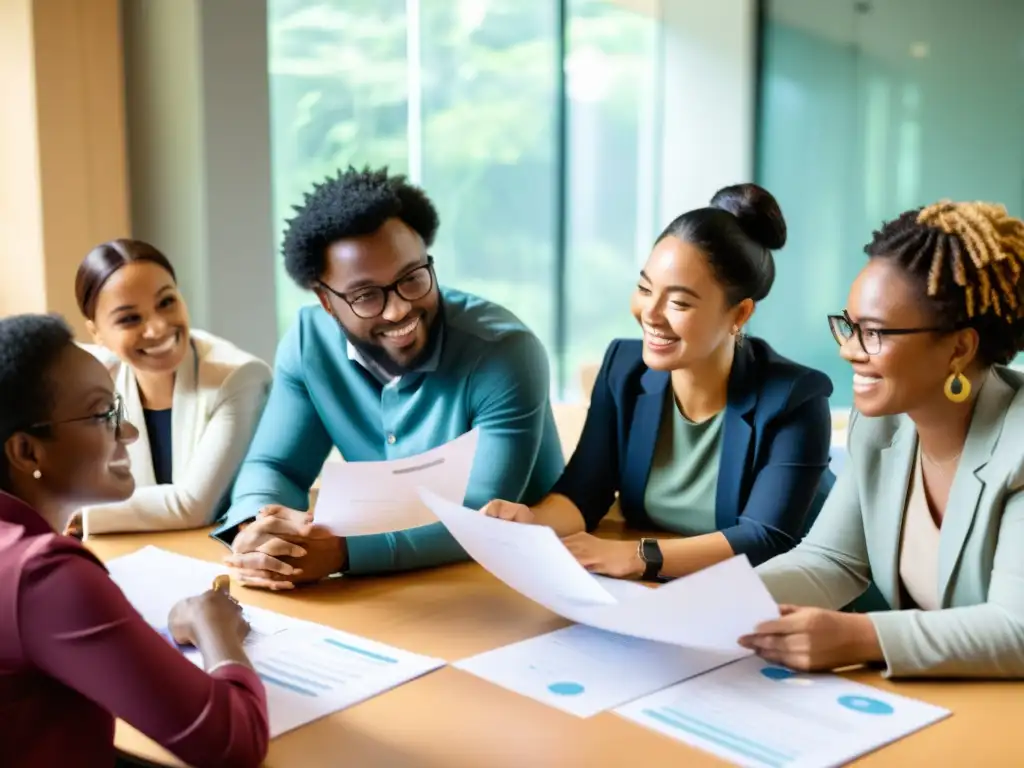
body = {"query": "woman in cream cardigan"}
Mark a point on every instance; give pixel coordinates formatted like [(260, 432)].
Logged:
[(195, 398), (929, 506)]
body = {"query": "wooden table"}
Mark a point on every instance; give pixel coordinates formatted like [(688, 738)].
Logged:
[(453, 719)]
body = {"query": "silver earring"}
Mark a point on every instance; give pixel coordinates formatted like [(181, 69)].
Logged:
[(37, 474)]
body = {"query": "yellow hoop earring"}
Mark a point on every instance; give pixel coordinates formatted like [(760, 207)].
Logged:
[(958, 387)]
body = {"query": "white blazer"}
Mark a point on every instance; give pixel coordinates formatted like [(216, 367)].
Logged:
[(219, 394)]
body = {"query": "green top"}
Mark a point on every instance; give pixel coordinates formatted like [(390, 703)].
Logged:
[(681, 489)]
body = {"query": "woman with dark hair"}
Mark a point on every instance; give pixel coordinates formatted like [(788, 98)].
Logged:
[(700, 430), (929, 506), (196, 398), (73, 653)]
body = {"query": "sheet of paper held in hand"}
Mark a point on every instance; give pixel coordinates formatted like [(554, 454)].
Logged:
[(358, 498), (309, 670), (708, 610)]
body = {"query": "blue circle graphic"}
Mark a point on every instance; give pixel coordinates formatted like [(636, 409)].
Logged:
[(866, 705), (777, 673), (566, 689)]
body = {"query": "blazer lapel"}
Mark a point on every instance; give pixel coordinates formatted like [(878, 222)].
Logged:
[(969, 480), (185, 413), (895, 464), (643, 436), (139, 451), (737, 442)]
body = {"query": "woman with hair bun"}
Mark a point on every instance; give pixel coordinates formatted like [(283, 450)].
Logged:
[(701, 431), (929, 506)]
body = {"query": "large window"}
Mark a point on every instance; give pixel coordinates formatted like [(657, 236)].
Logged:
[(530, 124), (870, 108)]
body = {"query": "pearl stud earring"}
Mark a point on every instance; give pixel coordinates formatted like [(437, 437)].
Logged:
[(37, 474)]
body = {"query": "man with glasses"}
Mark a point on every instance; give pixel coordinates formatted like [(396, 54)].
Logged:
[(388, 366)]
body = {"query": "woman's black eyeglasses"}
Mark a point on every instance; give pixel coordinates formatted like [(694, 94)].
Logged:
[(369, 302), (843, 329), (113, 417)]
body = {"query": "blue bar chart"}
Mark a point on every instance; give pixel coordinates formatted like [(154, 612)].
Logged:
[(310, 671)]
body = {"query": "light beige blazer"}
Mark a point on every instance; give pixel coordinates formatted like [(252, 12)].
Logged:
[(979, 631), (219, 394)]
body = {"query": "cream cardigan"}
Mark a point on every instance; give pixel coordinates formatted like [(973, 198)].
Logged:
[(219, 394)]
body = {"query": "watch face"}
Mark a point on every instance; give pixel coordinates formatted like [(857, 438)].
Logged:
[(651, 551)]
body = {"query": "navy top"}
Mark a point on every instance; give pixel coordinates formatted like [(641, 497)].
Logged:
[(158, 426), (773, 472)]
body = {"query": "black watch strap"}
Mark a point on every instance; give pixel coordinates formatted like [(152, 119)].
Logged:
[(650, 553)]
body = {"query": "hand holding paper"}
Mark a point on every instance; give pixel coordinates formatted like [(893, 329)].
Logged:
[(710, 609), (366, 497)]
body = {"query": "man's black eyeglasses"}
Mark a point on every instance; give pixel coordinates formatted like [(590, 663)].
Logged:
[(113, 417), (843, 329), (369, 302)]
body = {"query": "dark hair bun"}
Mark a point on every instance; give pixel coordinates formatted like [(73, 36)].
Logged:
[(758, 212)]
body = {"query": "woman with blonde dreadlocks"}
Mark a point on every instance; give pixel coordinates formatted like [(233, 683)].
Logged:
[(929, 506)]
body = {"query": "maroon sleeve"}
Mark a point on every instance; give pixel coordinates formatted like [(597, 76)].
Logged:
[(77, 626)]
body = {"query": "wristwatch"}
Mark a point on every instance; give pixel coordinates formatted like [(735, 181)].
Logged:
[(650, 552)]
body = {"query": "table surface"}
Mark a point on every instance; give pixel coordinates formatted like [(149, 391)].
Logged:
[(451, 718)]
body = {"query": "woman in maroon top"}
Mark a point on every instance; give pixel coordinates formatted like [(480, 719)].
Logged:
[(74, 654)]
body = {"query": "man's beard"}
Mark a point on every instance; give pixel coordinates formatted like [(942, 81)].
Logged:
[(380, 357)]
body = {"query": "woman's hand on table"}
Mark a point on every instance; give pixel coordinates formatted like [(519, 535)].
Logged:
[(281, 548), (213, 611), (620, 559), (508, 510), (815, 639)]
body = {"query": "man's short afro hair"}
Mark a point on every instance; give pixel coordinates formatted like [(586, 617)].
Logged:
[(352, 204)]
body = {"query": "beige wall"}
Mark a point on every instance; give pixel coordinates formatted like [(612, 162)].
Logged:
[(163, 81), (21, 242), (63, 176), (199, 152)]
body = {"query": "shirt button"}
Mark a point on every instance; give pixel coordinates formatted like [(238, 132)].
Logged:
[(391, 439)]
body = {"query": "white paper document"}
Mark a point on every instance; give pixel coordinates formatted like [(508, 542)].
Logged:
[(309, 670), (708, 610), (357, 498), (755, 714), (583, 670)]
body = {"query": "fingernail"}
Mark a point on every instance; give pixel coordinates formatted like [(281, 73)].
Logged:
[(299, 553)]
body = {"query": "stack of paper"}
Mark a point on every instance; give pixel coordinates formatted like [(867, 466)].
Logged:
[(309, 670), (730, 702)]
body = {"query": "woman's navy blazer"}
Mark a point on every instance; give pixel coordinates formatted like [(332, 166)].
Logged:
[(773, 475)]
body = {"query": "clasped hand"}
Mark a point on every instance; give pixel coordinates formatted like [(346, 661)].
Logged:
[(282, 547)]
